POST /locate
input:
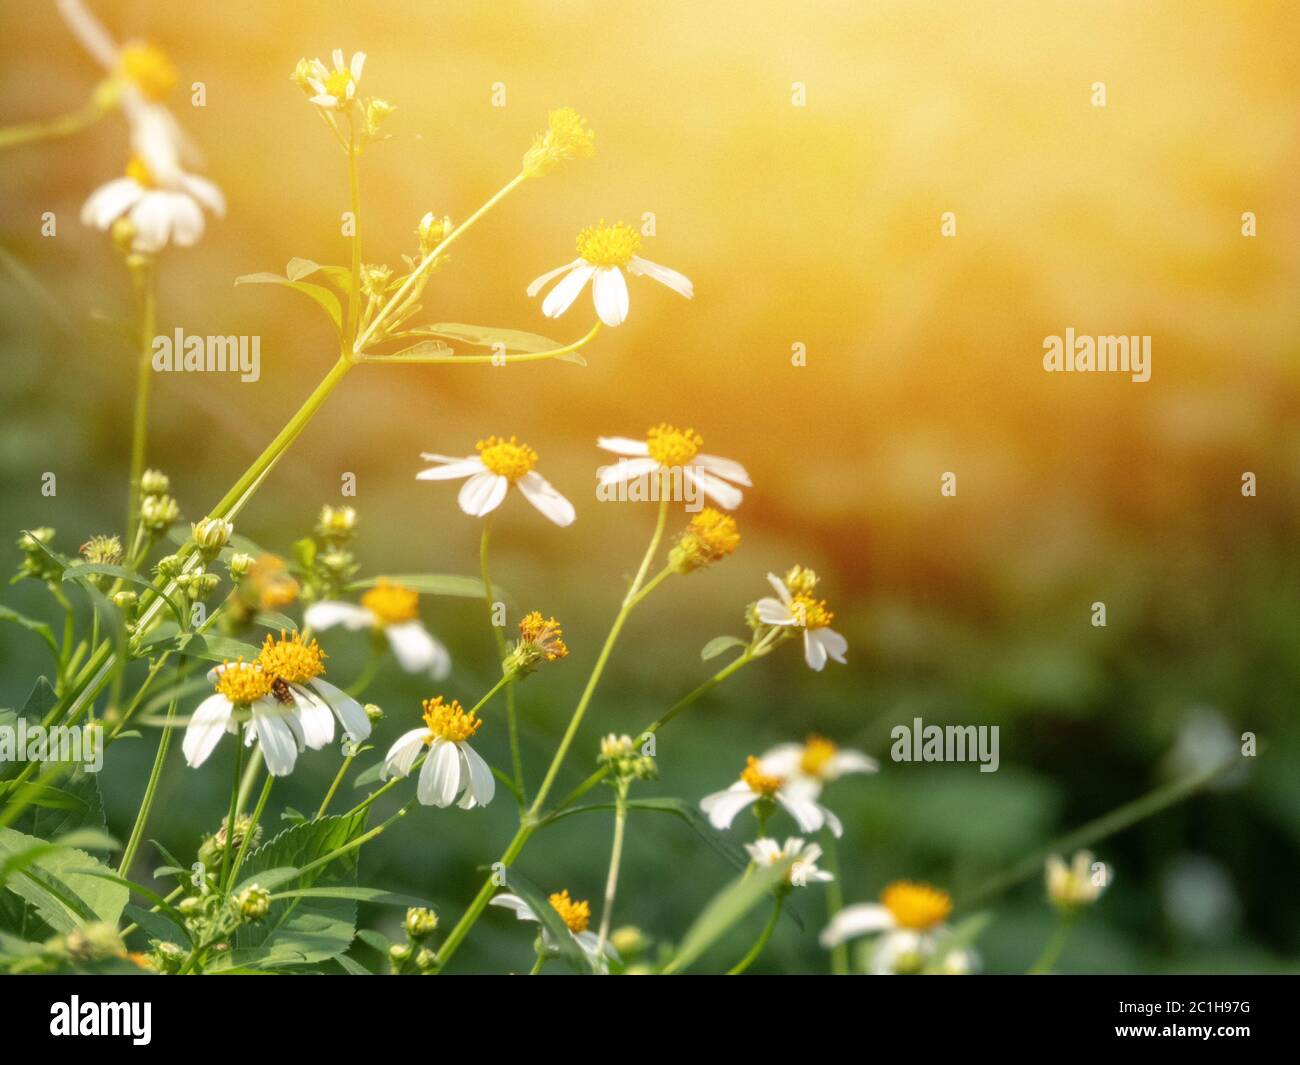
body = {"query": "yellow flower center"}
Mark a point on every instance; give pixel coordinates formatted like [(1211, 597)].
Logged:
[(800, 580), (670, 446), (290, 659), (243, 682), (506, 458), (759, 782), (603, 245), (139, 172), (810, 613), (449, 721), (817, 754), (337, 83), (148, 68), (714, 533), (575, 914), (916, 906), (544, 634), (391, 603)]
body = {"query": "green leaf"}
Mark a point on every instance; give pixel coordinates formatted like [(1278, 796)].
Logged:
[(958, 937), (60, 884), (719, 644), (436, 584), (31, 625), (212, 647), (357, 894), (515, 341), (353, 968), (81, 572), (158, 925), (297, 269), (559, 936), (725, 909), (300, 931), (424, 349), (323, 296)]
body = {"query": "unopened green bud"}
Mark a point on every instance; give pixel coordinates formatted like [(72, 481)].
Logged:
[(425, 959), (240, 565), (421, 922), (254, 903), (125, 601), (373, 712), (154, 483), (400, 952), (159, 513), (211, 534)]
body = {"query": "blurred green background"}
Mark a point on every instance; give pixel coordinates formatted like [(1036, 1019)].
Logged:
[(815, 225)]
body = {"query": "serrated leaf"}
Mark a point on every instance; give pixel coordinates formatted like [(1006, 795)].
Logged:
[(719, 644), (326, 299), (57, 884)]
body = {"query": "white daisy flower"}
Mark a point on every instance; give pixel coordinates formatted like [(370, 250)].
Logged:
[(451, 769), (160, 214), (394, 610), (297, 666), (499, 464), (335, 89), (753, 785), (814, 763), (909, 920), (804, 869), (576, 914), (667, 449), (604, 253), (244, 686), (797, 607)]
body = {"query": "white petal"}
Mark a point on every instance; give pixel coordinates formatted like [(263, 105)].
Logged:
[(729, 469), (314, 717), (679, 283), (832, 822), (783, 593), (832, 643), (482, 494), (807, 814), (863, 919), (783, 760), (402, 754), (275, 737), (209, 720), (715, 488), (324, 100), (107, 203), (609, 292), (773, 612), (561, 297), (205, 192), (330, 612), (417, 651), (358, 65), (482, 785), (440, 776), (453, 470), (338, 59), (623, 445), (625, 470), (723, 806), (508, 901), (351, 714), (847, 761), (536, 286), (153, 222), (538, 491), (813, 651)]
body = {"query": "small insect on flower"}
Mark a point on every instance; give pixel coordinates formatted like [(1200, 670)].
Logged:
[(605, 254), (797, 607), (1076, 886), (910, 920), (297, 665), (576, 915), (394, 610), (810, 765), (332, 90), (244, 687), (667, 450), (452, 769), (803, 868), (754, 785), (499, 464), (160, 211)]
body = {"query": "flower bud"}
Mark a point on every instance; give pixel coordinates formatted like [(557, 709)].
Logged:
[(709, 537), (432, 231), (102, 550), (336, 523), (374, 712), (125, 601), (159, 513), (211, 534), (421, 922), (425, 959), (567, 137), (154, 483), (400, 952), (254, 903), (628, 941), (240, 565)]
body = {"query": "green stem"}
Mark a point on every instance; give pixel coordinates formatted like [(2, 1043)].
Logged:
[(146, 281), (537, 965), (615, 859), (151, 789), (329, 795), (250, 775), (835, 903), (246, 842), (757, 948), (64, 125), (226, 856), (512, 718), (354, 302), (472, 360)]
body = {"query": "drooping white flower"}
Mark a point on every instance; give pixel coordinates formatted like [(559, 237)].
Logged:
[(452, 769), (244, 686), (816, 762), (576, 914), (1078, 885), (797, 607), (297, 665), (604, 253), (499, 464), (335, 89), (394, 610), (667, 450), (160, 214), (803, 870), (753, 785), (910, 923)]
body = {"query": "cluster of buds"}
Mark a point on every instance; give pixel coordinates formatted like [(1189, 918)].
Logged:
[(540, 640), (420, 924), (324, 563), (376, 280), (37, 560), (710, 537), (626, 760), (214, 846), (159, 511)]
